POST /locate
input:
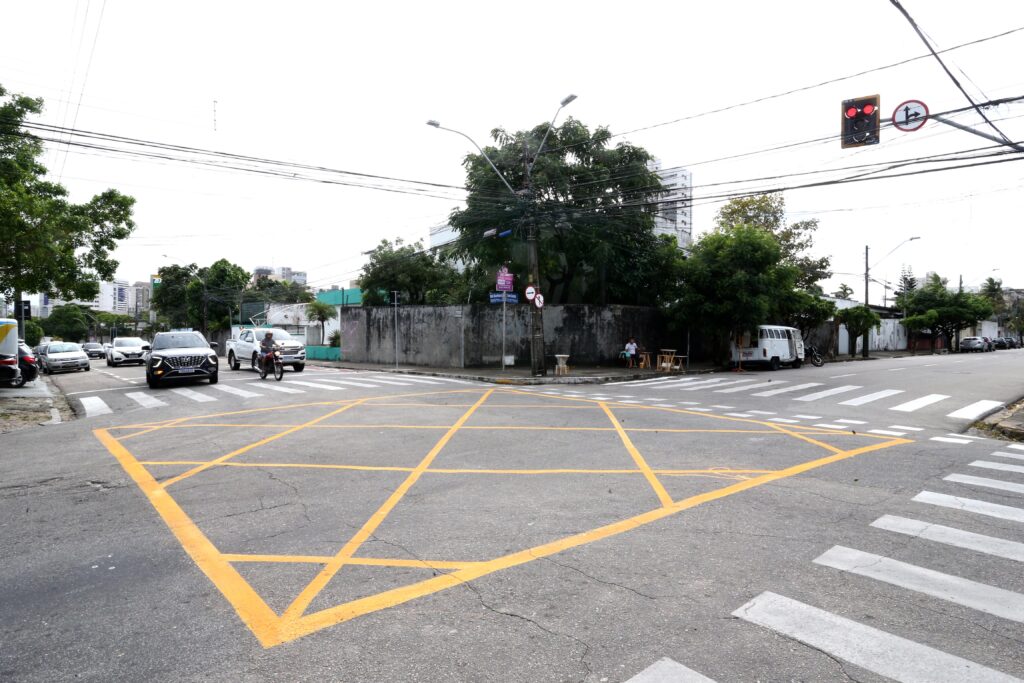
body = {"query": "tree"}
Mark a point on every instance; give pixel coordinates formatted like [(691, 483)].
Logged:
[(843, 292), (67, 322), (592, 206), (321, 312), (33, 332), (733, 282), (947, 312), (992, 289), (170, 297), (768, 212), (416, 274), (859, 321), (278, 292), (54, 245), (214, 294)]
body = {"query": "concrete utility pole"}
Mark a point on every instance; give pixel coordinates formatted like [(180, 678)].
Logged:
[(395, 295), (867, 335)]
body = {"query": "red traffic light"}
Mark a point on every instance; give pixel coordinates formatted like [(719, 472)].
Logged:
[(868, 109), (851, 112)]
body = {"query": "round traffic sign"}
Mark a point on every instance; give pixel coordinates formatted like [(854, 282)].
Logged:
[(910, 115), (538, 300), (530, 293)]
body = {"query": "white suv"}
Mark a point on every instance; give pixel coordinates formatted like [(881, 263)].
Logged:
[(127, 350)]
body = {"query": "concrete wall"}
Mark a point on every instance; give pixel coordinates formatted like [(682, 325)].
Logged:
[(467, 336)]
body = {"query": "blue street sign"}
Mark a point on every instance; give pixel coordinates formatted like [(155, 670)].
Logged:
[(510, 297)]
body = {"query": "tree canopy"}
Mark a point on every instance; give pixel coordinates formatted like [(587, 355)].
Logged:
[(593, 207), (67, 322), (48, 243), (188, 295), (418, 275), (733, 282), (934, 307)]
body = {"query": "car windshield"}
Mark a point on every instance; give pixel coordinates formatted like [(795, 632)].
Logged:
[(279, 335), (92, 345), (63, 347), (128, 341), (178, 340)]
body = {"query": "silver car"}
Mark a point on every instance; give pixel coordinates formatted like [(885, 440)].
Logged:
[(973, 344), (127, 350), (63, 357)]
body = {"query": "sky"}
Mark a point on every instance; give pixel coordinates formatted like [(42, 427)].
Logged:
[(349, 86)]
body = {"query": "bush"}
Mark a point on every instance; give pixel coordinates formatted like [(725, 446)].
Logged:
[(334, 339), (33, 332)]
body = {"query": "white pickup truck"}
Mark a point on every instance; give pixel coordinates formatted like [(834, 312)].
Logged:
[(247, 348)]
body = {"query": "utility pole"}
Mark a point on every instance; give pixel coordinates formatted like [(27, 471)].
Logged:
[(867, 335), (537, 366), (395, 295)]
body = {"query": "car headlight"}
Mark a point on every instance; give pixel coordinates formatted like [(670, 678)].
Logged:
[(212, 358), (157, 360)]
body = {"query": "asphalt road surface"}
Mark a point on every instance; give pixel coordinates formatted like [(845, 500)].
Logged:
[(815, 524)]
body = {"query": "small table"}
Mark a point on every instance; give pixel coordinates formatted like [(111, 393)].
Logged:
[(666, 358), (561, 366), (645, 359)]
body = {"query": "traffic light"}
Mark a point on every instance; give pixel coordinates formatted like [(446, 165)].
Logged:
[(861, 120)]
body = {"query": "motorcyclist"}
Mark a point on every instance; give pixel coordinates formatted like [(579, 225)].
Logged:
[(266, 346)]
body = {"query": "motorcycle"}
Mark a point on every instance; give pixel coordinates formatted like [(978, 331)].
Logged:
[(815, 357), (272, 361)]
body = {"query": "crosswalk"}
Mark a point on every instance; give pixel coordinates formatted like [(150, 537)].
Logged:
[(888, 653), (95, 406), (846, 395), (879, 646)]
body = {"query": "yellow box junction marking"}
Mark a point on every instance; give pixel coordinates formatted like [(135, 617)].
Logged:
[(273, 629)]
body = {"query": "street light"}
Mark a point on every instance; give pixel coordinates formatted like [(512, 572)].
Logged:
[(537, 366), (867, 278)]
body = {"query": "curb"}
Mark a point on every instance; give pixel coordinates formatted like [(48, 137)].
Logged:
[(1004, 423)]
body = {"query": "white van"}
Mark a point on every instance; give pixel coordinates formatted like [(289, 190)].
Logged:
[(773, 346)]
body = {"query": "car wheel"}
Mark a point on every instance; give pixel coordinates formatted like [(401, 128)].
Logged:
[(233, 362), (88, 368), (774, 364), (299, 367), (108, 361), (214, 379), (255, 363), (20, 382), (797, 363), (152, 381)]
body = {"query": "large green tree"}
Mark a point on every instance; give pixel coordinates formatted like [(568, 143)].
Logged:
[(417, 274), (935, 307), (591, 204), (206, 299), (733, 282), (67, 322), (170, 298), (48, 243), (768, 212)]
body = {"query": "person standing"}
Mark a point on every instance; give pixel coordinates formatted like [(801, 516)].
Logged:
[(631, 349)]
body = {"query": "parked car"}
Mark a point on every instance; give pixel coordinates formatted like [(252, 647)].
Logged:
[(26, 364), (180, 356), (972, 344), (1011, 343), (93, 349), (999, 343), (127, 350), (773, 346), (63, 357)]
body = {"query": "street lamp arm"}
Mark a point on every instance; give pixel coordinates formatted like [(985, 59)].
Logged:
[(567, 100), (909, 239), (435, 124)]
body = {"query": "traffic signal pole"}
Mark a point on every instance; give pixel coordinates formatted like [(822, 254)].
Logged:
[(537, 366)]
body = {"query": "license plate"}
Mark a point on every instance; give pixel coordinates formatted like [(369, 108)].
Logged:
[(186, 371), (287, 358)]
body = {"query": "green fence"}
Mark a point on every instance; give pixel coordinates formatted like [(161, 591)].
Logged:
[(323, 352)]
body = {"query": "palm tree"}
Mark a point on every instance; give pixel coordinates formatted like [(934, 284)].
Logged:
[(321, 312)]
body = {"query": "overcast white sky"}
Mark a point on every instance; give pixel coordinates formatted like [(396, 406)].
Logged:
[(350, 85)]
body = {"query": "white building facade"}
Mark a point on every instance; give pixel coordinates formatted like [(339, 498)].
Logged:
[(675, 205)]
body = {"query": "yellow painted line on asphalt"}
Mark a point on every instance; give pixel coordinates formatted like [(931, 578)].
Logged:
[(652, 479), (361, 561), (249, 606), (301, 602), (296, 628), (449, 470), (261, 442)]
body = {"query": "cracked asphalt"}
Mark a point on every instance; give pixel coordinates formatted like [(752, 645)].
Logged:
[(470, 545)]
